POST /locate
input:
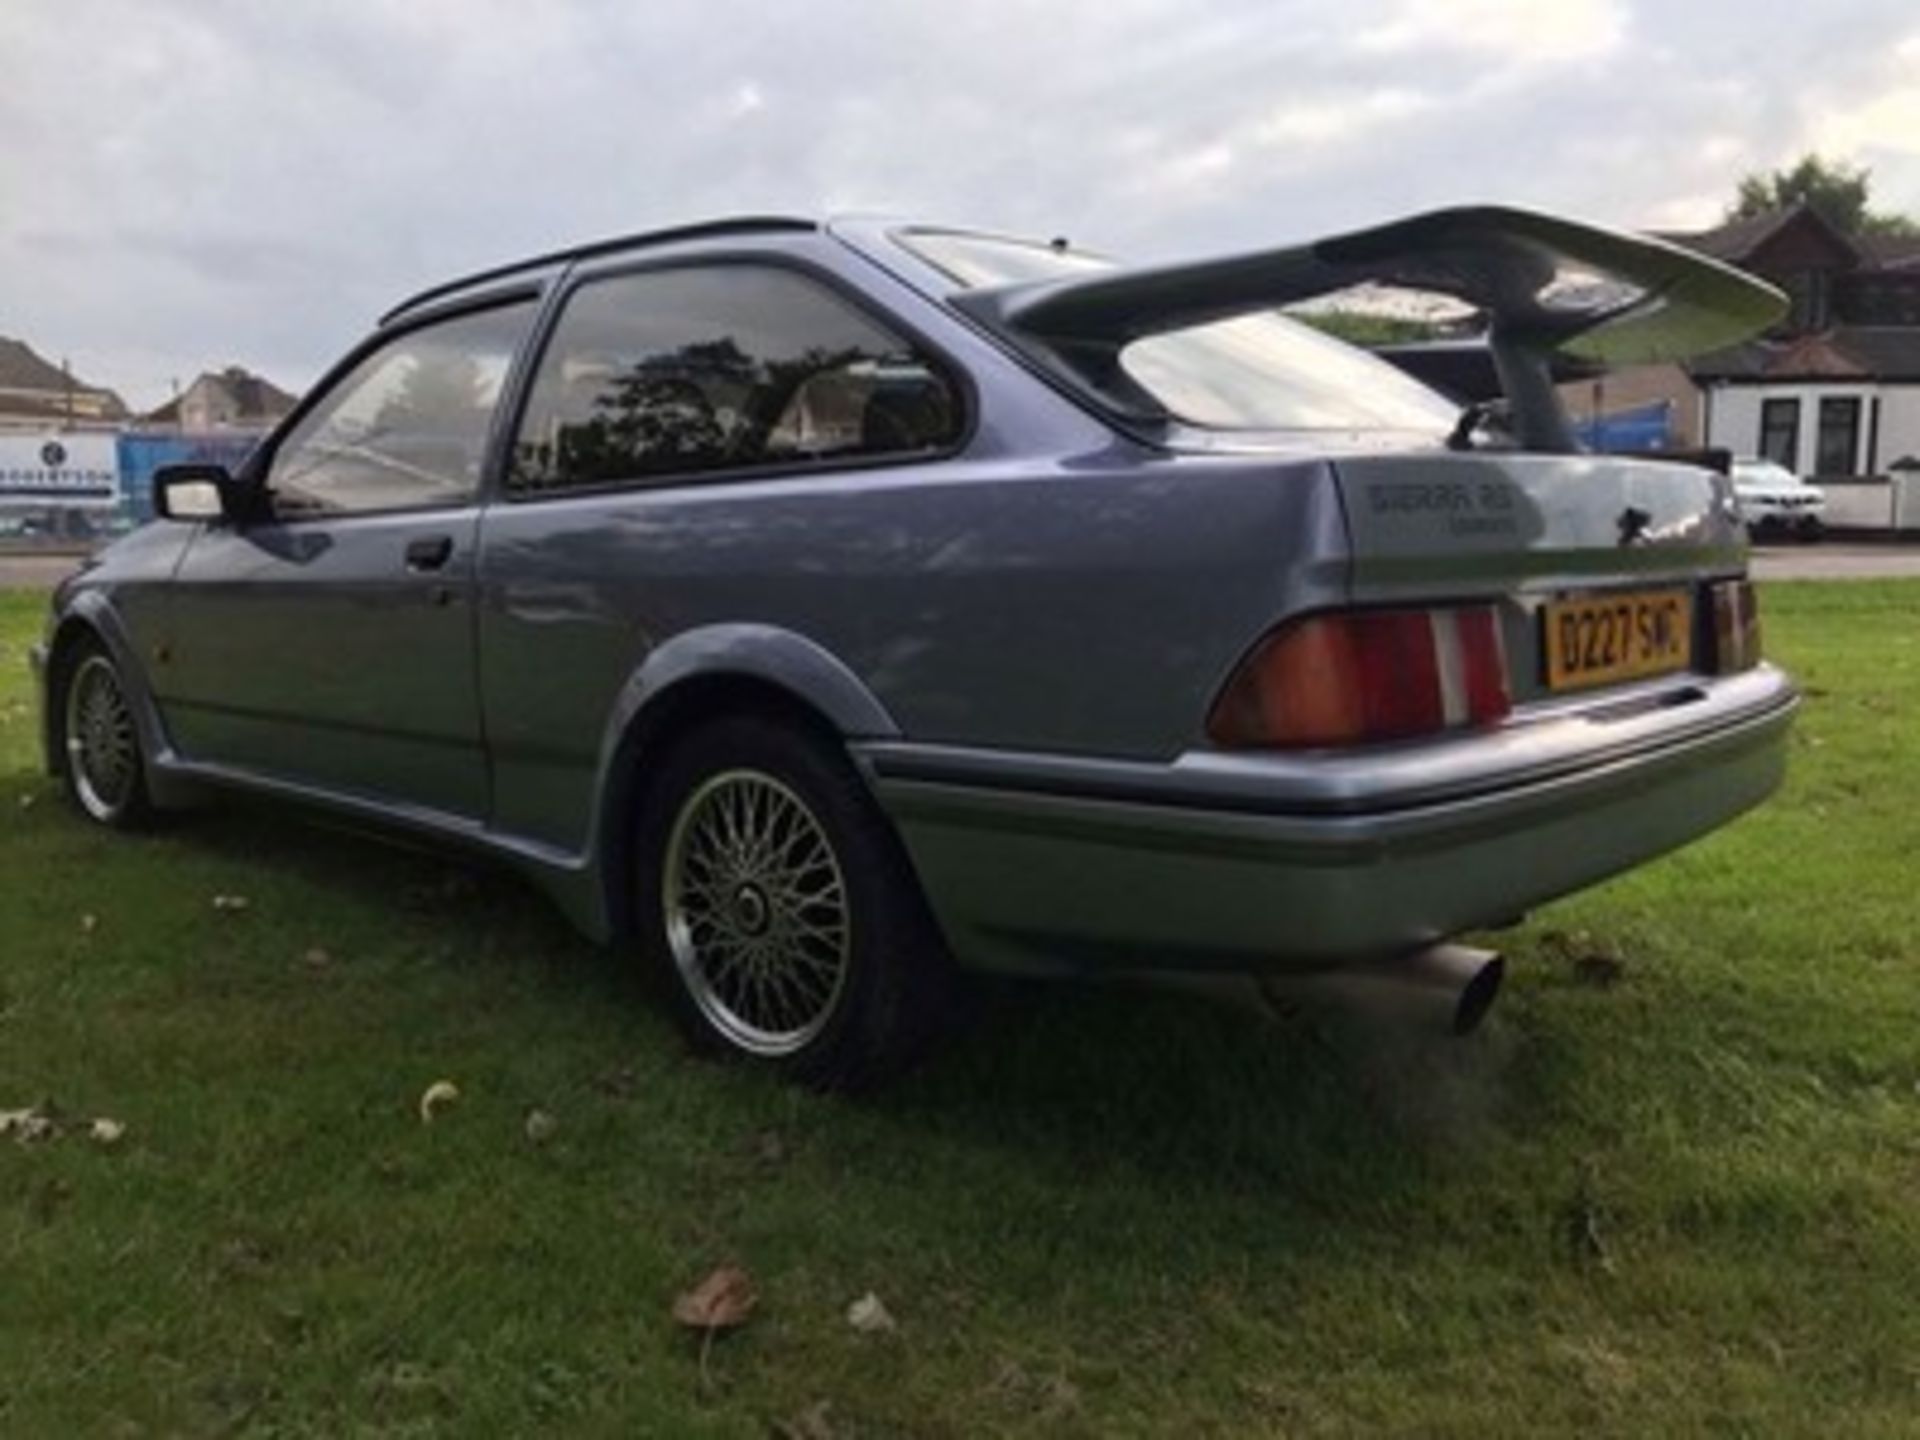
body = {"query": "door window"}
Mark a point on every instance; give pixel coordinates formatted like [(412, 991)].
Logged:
[(695, 369), (405, 428)]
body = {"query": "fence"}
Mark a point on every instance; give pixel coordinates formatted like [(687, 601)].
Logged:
[(1647, 427)]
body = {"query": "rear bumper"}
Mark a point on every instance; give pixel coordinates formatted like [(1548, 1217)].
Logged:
[(1241, 863)]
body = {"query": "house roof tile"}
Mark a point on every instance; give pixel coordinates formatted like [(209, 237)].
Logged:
[(1846, 352)]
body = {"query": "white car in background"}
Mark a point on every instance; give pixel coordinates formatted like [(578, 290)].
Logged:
[(1775, 500)]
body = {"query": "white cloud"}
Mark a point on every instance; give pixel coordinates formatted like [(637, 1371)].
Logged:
[(1872, 118), (1887, 119), (1519, 30), (185, 183), (1345, 118), (1684, 212), (746, 100)]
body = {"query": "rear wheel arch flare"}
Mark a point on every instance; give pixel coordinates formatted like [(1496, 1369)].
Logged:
[(675, 711)]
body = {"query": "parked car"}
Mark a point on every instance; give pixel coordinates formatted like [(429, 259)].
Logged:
[(821, 607), (1774, 500)]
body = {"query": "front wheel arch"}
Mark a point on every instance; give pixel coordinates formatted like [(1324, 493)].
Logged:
[(114, 739), (74, 636)]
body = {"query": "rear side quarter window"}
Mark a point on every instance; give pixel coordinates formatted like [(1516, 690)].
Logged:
[(684, 371)]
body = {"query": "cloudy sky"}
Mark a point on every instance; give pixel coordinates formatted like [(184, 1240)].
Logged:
[(186, 183)]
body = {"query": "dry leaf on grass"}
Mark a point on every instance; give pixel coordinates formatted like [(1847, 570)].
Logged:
[(29, 1125), (231, 904), (106, 1132), (316, 959), (722, 1301), (869, 1316), (437, 1097)]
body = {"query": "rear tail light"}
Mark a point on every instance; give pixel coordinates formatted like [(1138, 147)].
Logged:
[(1351, 677), (1736, 626)]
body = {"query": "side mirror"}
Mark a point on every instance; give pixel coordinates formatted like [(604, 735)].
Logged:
[(192, 492)]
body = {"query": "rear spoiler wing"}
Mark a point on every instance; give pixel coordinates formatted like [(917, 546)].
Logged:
[(1637, 299)]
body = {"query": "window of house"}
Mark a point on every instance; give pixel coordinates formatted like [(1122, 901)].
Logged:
[(1838, 446), (701, 368), (406, 427), (1780, 432), (1812, 295)]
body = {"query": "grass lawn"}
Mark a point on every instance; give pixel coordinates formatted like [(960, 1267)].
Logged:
[(1685, 1201)]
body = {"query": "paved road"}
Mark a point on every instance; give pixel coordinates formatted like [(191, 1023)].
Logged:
[(1770, 562), (1836, 562), (34, 572)]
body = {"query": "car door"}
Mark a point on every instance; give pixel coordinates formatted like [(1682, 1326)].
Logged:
[(330, 640), (671, 469)]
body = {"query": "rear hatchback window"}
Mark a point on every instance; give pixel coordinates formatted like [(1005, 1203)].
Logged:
[(1257, 372)]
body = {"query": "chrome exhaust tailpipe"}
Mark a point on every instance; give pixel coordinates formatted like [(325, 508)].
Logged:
[(1446, 987)]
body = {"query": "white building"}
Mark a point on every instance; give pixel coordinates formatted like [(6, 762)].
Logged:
[(36, 395), (1834, 392), (229, 399)]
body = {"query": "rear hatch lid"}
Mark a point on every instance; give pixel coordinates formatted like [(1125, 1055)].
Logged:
[(1598, 564), (1602, 568)]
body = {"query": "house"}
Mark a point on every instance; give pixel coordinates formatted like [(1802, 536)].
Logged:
[(1833, 391), (38, 395), (229, 399)]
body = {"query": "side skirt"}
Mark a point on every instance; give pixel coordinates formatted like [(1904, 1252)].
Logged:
[(573, 882)]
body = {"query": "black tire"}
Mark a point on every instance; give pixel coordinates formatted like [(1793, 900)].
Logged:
[(102, 764), (766, 960)]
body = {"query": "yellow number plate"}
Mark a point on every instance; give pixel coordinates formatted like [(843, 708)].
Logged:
[(1600, 639)]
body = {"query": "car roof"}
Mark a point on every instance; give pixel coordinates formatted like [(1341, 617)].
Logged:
[(703, 230)]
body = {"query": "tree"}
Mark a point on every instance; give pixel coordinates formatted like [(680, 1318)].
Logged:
[(1838, 191), (441, 391), (1357, 327)]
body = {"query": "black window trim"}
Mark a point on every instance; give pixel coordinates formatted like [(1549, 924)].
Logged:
[(255, 469), (1162, 432), (584, 274)]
